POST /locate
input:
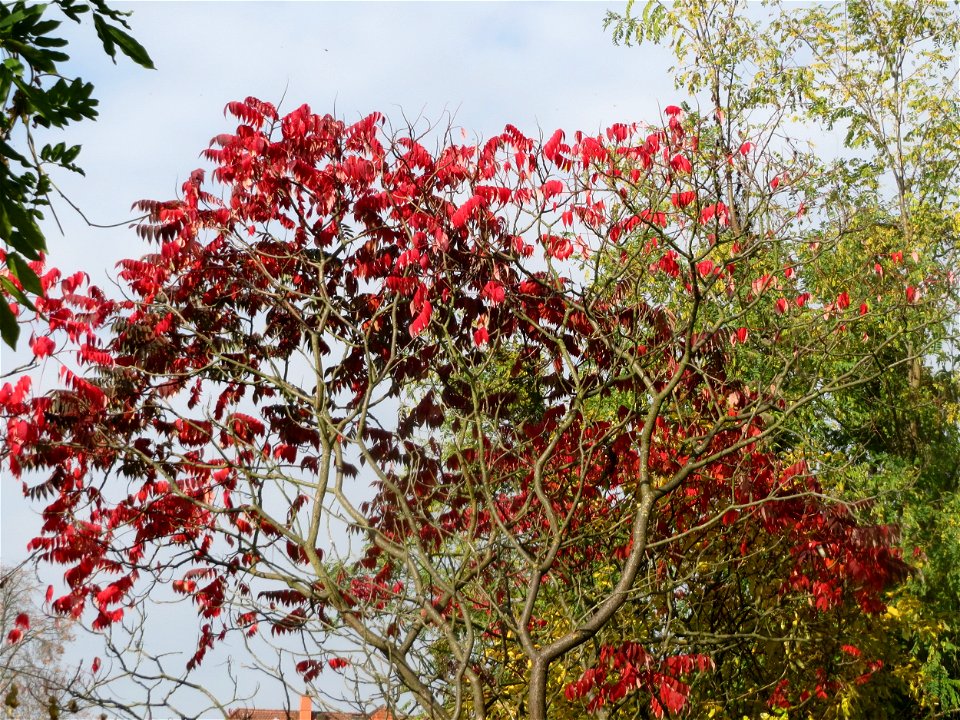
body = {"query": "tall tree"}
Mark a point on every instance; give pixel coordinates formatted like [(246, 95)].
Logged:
[(560, 324)]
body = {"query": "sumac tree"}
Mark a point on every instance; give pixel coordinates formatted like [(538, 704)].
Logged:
[(466, 409)]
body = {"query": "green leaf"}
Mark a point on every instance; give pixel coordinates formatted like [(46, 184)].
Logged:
[(69, 155), (24, 273), (6, 228), (9, 329), (52, 153), (51, 42), (37, 98), (14, 66), (24, 12), (72, 10), (45, 28), (113, 37), (129, 47), (9, 152), (20, 230), (103, 33)]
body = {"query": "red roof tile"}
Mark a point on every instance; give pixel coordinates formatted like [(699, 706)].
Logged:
[(255, 714)]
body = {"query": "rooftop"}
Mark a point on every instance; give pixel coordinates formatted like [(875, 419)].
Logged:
[(306, 712)]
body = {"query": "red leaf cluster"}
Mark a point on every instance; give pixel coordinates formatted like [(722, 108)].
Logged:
[(395, 272)]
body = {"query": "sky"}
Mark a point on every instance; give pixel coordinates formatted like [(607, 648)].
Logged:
[(536, 65)]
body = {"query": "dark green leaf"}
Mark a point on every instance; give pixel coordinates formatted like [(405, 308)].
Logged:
[(49, 42), (22, 13), (9, 152), (45, 27), (103, 32), (20, 230), (9, 329), (73, 10), (69, 155), (38, 99), (6, 228), (130, 47), (52, 153), (101, 8)]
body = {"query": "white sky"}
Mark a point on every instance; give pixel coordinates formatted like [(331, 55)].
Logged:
[(535, 65)]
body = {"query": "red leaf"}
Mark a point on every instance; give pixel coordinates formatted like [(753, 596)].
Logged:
[(718, 211), (461, 216), (654, 218), (673, 694), (761, 284), (559, 247), (681, 164), (553, 147), (494, 292), (42, 346), (551, 188), (421, 321)]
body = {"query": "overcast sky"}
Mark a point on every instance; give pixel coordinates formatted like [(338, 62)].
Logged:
[(536, 65)]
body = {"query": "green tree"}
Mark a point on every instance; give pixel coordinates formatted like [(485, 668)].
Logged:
[(37, 94), (882, 75)]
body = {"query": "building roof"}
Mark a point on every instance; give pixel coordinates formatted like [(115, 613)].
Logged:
[(255, 714)]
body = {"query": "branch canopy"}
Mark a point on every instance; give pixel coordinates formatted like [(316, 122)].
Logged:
[(505, 367)]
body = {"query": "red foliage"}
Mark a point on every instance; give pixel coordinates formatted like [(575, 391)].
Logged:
[(627, 668), (391, 267)]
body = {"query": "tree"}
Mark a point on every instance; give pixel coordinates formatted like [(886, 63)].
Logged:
[(34, 684), (883, 76), (36, 94), (510, 370)]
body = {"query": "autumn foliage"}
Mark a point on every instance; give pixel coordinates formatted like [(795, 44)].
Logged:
[(510, 369)]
